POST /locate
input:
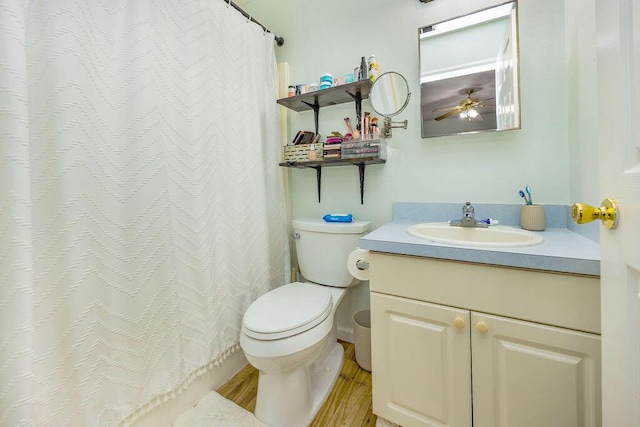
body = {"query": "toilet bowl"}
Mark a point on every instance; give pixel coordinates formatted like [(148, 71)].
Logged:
[(290, 333), (297, 372)]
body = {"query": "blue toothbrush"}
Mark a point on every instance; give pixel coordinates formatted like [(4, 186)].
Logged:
[(524, 196)]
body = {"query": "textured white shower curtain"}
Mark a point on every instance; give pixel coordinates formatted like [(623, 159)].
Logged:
[(141, 203)]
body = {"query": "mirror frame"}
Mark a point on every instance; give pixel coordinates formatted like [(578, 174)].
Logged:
[(460, 73)]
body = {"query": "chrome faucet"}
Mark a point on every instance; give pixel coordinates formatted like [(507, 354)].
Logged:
[(468, 218)]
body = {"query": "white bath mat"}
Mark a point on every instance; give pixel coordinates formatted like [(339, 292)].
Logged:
[(214, 410), (381, 422)]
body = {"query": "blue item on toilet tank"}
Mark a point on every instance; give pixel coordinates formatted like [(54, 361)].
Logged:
[(338, 218)]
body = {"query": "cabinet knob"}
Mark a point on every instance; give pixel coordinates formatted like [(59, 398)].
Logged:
[(482, 327), (459, 322)]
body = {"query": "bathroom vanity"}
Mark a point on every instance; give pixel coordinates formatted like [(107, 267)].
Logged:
[(485, 337)]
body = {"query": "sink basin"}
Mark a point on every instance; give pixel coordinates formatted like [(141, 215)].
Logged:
[(493, 237)]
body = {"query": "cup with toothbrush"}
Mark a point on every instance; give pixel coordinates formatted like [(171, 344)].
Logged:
[(532, 216)]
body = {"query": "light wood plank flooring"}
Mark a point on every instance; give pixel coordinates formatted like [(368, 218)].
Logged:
[(349, 403)]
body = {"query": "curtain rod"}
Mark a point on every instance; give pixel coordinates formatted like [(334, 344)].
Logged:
[(279, 40)]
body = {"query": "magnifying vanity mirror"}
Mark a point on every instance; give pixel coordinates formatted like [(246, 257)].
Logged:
[(469, 73), (389, 96)]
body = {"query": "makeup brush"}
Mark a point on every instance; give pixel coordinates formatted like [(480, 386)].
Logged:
[(355, 134), (347, 121)]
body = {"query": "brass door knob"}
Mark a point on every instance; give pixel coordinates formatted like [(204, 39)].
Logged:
[(607, 213)]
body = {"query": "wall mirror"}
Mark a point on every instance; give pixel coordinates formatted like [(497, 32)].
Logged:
[(389, 97), (390, 94), (469, 73)]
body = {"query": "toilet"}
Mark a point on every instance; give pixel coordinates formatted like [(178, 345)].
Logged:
[(290, 335)]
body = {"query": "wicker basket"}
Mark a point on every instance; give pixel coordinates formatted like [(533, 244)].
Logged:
[(300, 152)]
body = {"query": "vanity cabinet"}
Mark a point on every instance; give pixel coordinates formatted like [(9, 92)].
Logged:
[(461, 344), (528, 374), (421, 363)]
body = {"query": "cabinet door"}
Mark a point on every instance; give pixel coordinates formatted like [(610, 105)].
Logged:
[(531, 375), (421, 362)]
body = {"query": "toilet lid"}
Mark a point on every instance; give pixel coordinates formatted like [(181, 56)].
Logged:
[(287, 310)]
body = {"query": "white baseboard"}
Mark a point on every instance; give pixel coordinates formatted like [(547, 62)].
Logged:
[(346, 334)]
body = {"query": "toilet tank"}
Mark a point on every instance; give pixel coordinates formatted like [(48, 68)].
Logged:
[(323, 248)]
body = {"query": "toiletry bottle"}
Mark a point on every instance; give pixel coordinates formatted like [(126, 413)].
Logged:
[(367, 118), (373, 68), (363, 69)]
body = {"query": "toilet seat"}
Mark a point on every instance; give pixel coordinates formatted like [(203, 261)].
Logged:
[(286, 311)]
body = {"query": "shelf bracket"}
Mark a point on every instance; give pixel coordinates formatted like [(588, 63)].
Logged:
[(358, 99), (361, 170), (318, 165), (318, 178), (316, 112)]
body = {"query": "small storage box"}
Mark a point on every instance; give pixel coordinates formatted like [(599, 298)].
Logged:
[(300, 152), (360, 143), (357, 149)]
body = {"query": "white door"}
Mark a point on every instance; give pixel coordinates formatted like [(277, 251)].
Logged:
[(421, 361), (618, 32), (507, 105), (530, 375)]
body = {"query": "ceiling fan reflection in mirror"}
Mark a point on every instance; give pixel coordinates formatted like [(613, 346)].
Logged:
[(468, 108)]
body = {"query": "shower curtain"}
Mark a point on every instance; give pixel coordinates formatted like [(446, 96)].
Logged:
[(141, 203)]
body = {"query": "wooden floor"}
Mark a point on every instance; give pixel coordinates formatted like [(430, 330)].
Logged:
[(349, 403)]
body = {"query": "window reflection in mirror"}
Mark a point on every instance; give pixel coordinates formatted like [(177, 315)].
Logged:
[(390, 94), (469, 73)]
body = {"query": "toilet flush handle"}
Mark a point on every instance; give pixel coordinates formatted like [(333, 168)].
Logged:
[(296, 236)]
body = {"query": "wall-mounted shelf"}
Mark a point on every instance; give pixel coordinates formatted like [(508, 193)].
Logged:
[(356, 91), (350, 92), (361, 163), (326, 97)]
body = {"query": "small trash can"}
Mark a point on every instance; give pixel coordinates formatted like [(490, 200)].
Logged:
[(362, 338)]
